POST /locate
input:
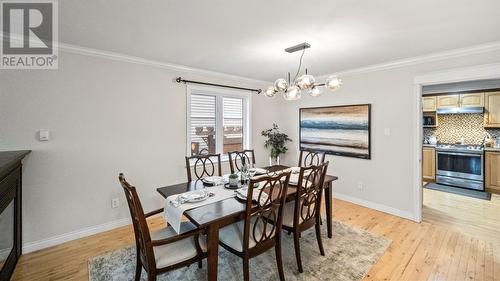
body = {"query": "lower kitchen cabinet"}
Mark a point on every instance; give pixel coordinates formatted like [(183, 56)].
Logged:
[(492, 172), (429, 164)]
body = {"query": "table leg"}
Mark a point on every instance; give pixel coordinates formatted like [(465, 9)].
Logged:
[(328, 203), (212, 251)]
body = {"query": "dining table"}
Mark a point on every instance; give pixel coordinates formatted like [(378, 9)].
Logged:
[(216, 215)]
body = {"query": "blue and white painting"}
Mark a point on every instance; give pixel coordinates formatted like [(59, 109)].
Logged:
[(339, 130)]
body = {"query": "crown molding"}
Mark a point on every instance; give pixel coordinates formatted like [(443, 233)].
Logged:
[(79, 50), (74, 49), (472, 50)]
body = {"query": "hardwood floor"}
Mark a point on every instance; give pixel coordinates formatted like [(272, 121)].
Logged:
[(440, 248)]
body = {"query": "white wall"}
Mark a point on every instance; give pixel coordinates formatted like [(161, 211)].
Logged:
[(387, 177), (108, 116), (105, 117)]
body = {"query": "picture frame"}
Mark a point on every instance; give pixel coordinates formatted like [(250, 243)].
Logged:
[(343, 130)]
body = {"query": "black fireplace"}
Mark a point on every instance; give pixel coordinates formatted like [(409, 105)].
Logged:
[(10, 211)]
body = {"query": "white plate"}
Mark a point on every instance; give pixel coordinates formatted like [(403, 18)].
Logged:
[(260, 171), (212, 180), (193, 197)]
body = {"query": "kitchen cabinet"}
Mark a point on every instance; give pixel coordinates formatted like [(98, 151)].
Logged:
[(448, 101), (472, 100), (492, 172), (429, 104), (492, 110), (429, 164)]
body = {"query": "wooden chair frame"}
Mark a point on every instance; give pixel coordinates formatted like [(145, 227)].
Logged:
[(307, 206), (206, 163), (265, 214), (235, 155), (309, 157), (144, 243)]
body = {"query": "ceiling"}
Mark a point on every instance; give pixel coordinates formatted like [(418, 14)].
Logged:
[(247, 38)]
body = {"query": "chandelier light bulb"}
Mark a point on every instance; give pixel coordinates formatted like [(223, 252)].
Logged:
[(292, 93), (280, 85), (305, 82), (333, 82), (316, 91), (270, 92)]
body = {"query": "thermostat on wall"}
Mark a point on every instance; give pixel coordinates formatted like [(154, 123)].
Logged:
[(43, 135)]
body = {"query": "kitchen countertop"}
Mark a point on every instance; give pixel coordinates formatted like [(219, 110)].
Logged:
[(428, 145), (492, 149)]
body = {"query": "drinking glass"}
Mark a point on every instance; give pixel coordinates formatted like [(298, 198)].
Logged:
[(244, 172), (252, 170)]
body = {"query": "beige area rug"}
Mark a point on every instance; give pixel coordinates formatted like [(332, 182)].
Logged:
[(349, 256)]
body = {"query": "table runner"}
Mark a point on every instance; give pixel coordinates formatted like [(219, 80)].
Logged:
[(173, 214)]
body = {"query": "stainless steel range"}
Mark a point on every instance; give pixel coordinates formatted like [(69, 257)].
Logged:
[(460, 165)]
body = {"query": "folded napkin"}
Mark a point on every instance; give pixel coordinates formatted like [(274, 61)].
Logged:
[(243, 192), (174, 211)]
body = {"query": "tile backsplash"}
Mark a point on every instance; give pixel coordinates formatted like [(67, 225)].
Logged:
[(452, 127)]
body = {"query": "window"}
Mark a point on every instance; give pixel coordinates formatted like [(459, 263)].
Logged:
[(217, 121)]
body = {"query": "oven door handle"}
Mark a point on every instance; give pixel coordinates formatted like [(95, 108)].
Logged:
[(460, 154)]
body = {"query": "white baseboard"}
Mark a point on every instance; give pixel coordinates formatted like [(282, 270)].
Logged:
[(73, 235), (376, 206)]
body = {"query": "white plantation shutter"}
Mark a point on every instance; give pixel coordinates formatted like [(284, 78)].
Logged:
[(203, 115), (233, 124), (217, 121)]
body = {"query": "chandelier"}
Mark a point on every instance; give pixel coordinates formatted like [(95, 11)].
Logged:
[(304, 83)]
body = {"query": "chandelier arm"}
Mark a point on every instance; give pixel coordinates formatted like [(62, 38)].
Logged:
[(300, 65)]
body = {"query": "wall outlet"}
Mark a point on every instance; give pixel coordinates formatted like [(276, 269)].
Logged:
[(115, 202), (360, 185)]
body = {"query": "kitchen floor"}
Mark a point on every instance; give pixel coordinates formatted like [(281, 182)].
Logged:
[(470, 216)]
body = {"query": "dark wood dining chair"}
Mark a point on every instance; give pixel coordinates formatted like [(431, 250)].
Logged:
[(236, 159), (310, 157), (305, 211), (258, 233), (162, 250), (203, 166)]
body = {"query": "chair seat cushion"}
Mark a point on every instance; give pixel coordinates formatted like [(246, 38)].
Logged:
[(288, 212), (175, 252), (232, 235)]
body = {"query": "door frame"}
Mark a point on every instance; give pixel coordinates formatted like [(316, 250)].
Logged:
[(478, 72)]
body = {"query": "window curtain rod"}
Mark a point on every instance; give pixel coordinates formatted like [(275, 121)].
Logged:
[(180, 80)]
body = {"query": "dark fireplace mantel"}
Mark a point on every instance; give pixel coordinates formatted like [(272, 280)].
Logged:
[(10, 210)]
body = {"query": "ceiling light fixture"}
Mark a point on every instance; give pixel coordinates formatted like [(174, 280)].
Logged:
[(306, 82)]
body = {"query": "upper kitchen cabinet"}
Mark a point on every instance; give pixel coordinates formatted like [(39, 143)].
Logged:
[(492, 110), (448, 101), (429, 104), (472, 100)]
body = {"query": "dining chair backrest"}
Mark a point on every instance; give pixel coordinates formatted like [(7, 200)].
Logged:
[(310, 157), (259, 215), (309, 194), (203, 165), (237, 158), (141, 230)]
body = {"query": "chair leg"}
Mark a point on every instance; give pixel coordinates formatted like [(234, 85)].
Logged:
[(246, 269), (297, 251), (138, 270), (200, 264), (279, 260), (151, 276), (318, 237)]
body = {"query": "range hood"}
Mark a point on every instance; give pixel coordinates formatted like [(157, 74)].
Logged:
[(460, 110)]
